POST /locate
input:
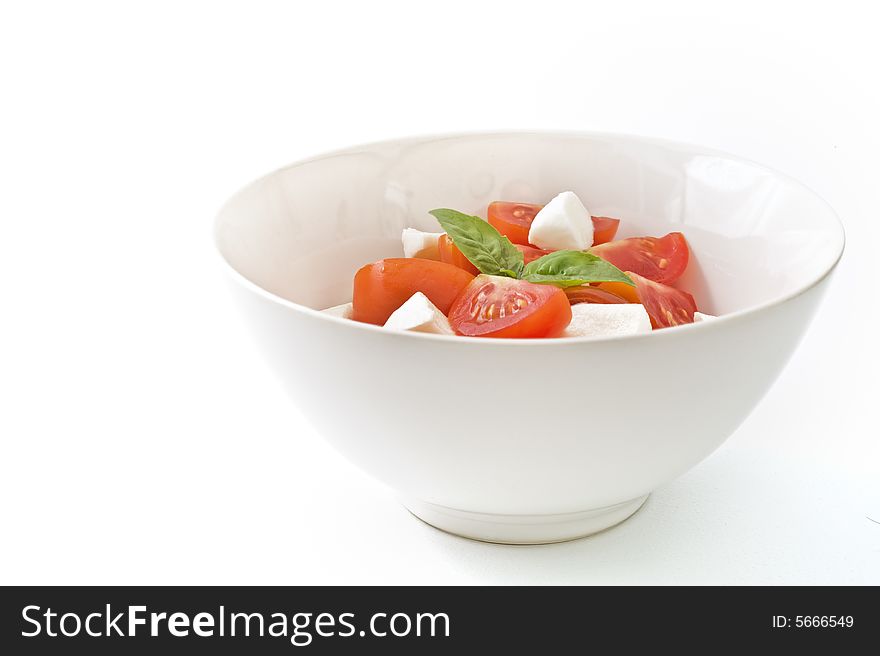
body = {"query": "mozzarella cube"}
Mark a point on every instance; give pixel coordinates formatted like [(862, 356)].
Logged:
[(420, 315), (699, 316), (343, 311), (607, 320), (562, 224), (420, 244)]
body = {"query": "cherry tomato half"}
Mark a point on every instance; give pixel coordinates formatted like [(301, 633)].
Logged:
[(513, 219), (661, 259), (382, 287), (450, 254), (667, 306), (495, 306), (604, 229)]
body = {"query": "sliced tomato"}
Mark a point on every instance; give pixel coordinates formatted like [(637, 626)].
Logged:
[(450, 254), (661, 259), (515, 219), (589, 294), (530, 253), (382, 287), (667, 306), (495, 306), (604, 229)]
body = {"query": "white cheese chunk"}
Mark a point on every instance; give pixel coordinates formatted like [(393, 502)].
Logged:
[(343, 310), (700, 316), (420, 244), (421, 315), (563, 223), (607, 320)]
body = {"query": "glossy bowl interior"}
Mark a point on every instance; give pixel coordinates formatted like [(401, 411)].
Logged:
[(527, 440)]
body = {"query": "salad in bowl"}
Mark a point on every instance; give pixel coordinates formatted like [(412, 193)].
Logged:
[(528, 271)]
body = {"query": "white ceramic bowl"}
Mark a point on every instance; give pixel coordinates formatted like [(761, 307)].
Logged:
[(533, 440)]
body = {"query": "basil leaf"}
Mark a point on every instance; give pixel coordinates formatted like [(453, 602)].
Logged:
[(485, 247), (571, 268)]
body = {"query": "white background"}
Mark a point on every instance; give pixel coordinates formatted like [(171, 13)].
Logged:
[(143, 439)]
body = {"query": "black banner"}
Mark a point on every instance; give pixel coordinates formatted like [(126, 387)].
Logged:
[(395, 620)]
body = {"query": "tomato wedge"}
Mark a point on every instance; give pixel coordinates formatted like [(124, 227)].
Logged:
[(450, 254), (661, 259), (604, 229), (514, 220), (589, 294), (382, 287), (667, 306), (530, 253), (495, 306)]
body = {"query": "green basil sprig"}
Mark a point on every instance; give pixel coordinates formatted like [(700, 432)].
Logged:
[(486, 248), (493, 254), (571, 268)]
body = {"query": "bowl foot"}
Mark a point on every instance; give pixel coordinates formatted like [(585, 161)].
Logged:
[(523, 529)]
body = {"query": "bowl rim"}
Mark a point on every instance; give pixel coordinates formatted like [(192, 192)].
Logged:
[(729, 317)]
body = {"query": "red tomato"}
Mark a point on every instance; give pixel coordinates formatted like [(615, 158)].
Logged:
[(515, 219), (604, 229), (450, 254), (495, 306), (588, 294), (667, 306), (382, 287), (530, 253), (659, 259)]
